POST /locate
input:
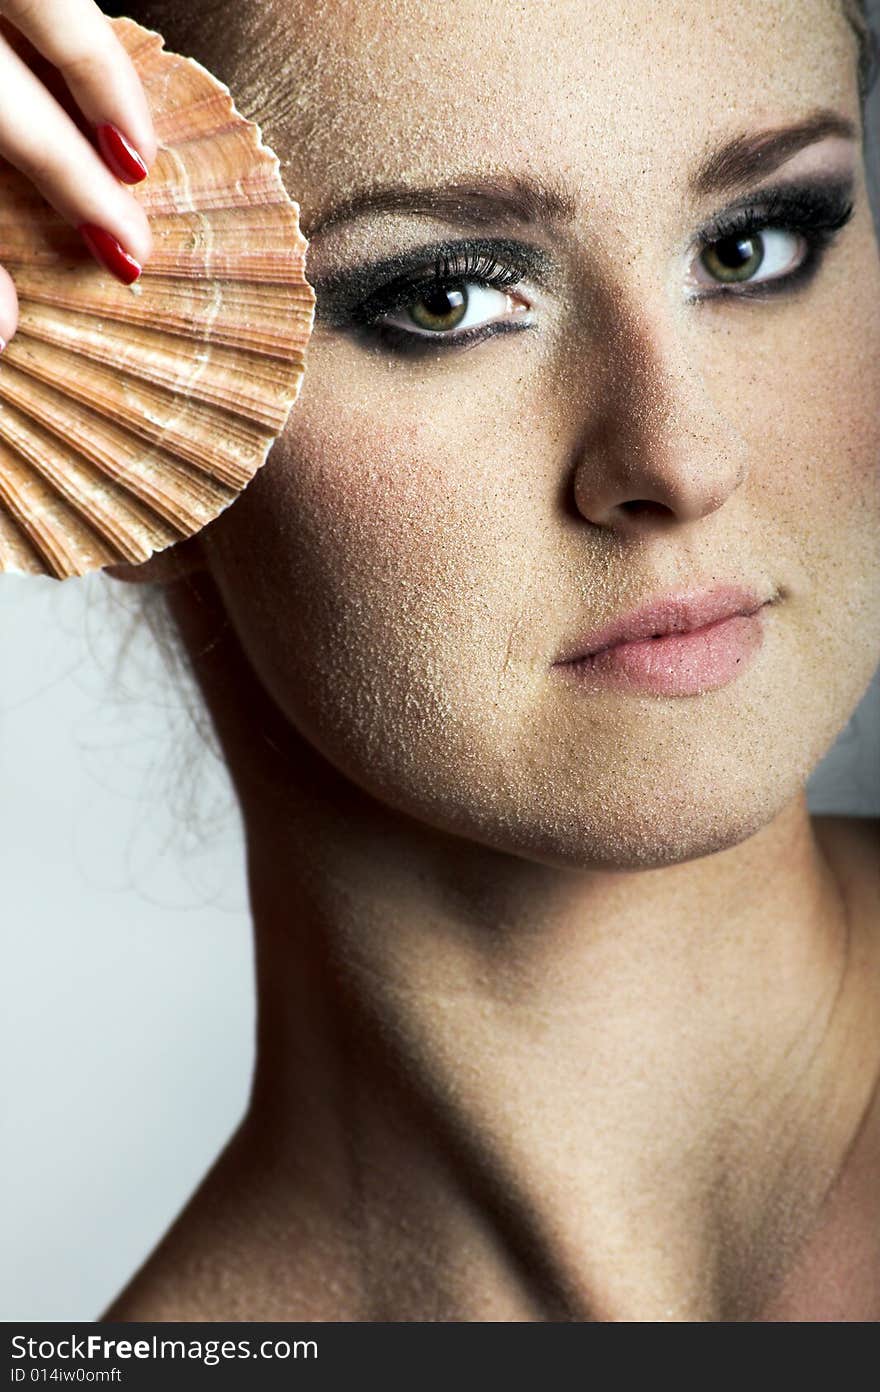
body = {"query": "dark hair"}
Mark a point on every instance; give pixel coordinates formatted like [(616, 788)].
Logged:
[(856, 12)]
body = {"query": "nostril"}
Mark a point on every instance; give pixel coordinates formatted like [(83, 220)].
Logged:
[(644, 507)]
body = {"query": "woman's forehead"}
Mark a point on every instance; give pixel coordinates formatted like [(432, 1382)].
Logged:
[(589, 94)]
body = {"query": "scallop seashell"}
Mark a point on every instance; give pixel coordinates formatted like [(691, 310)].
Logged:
[(130, 417)]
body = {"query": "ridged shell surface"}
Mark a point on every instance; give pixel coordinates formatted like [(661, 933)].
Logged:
[(131, 416)]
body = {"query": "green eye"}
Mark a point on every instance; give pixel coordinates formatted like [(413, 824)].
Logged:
[(441, 308), (734, 258)]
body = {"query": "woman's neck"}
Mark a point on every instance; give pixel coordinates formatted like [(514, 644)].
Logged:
[(490, 1089)]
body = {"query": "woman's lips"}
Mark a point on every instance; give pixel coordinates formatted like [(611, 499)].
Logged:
[(680, 645)]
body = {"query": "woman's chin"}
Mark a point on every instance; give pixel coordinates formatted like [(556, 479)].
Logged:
[(643, 820), (626, 835)]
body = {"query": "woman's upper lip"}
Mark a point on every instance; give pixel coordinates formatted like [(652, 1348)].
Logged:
[(680, 612)]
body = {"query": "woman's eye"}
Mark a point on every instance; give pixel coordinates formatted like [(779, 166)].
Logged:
[(750, 258), (447, 306)]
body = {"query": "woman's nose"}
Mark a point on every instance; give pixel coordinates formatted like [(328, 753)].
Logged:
[(658, 447)]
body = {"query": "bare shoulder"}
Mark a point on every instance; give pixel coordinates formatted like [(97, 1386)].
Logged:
[(158, 1291), (134, 1305), (228, 1256), (836, 1275)]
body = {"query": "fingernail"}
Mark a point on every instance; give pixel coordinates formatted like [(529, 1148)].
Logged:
[(120, 155), (2, 344), (110, 254)]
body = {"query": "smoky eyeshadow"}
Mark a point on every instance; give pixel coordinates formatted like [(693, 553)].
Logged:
[(350, 297), (820, 202), (354, 297)]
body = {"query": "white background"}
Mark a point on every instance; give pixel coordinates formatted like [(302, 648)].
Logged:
[(127, 1029)]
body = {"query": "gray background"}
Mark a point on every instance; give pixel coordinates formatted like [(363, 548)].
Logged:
[(126, 941)]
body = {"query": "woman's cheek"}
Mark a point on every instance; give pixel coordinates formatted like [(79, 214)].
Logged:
[(377, 567), (830, 448), (818, 504)]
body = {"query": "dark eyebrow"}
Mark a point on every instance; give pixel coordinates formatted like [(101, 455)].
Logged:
[(472, 202), (749, 157), (478, 201)]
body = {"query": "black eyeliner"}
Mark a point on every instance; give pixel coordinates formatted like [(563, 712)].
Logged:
[(353, 298), (816, 210), (391, 338)]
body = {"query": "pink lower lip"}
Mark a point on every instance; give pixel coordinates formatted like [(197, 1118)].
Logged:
[(678, 664)]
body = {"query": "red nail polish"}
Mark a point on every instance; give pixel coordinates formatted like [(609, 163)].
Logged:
[(111, 255), (120, 155)]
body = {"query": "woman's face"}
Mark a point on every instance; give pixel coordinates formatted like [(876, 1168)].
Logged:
[(436, 527)]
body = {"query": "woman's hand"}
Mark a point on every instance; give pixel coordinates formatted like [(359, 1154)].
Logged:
[(48, 126)]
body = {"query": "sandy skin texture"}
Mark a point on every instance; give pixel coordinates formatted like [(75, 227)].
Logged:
[(567, 1011)]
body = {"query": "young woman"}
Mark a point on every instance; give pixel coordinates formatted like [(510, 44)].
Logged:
[(521, 649)]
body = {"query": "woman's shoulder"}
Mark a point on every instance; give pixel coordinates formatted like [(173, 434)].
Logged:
[(836, 1275)]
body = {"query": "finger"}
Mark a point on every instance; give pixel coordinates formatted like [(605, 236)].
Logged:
[(40, 140), (49, 76), (8, 308), (79, 40)]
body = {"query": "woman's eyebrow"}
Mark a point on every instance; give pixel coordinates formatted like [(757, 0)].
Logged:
[(479, 201), (755, 154), (473, 201)]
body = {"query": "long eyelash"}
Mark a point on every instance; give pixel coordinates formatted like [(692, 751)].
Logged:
[(817, 212), (357, 299), (360, 298), (475, 262)]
